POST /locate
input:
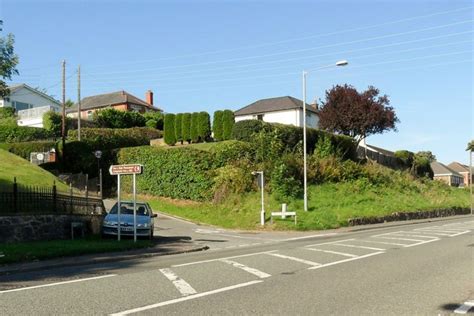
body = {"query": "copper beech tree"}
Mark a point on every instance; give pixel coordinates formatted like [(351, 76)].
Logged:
[(357, 114)]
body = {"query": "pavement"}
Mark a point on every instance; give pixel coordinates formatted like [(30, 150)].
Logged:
[(422, 268)]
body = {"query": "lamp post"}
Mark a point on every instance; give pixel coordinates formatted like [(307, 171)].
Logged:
[(305, 176), (470, 181), (98, 155)]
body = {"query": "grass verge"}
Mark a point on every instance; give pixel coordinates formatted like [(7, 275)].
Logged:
[(331, 205), (41, 250)]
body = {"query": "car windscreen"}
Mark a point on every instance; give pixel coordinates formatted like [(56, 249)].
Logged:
[(127, 209)]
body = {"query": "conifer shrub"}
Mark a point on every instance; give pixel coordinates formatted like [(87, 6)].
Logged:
[(169, 129)]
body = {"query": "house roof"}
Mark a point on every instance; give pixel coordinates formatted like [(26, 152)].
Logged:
[(272, 105), (441, 169), (381, 150), (15, 87), (108, 99), (458, 167)]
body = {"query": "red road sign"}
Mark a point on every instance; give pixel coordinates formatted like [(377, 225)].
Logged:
[(125, 169)]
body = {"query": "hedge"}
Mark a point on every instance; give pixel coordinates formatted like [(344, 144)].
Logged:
[(204, 126), (186, 127), (217, 125), (194, 127), (291, 136), (13, 134), (110, 138), (169, 130), (180, 173), (228, 121), (232, 150), (24, 149), (112, 118), (178, 127)]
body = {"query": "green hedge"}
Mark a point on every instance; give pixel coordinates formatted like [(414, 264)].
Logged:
[(180, 173), (232, 150), (110, 138), (194, 129), (217, 125), (112, 118), (186, 127), (169, 129), (292, 136), (178, 127), (13, 134), (25, 148), (228, 121)]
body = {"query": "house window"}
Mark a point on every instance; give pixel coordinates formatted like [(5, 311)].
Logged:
[(21, 105), (260, 117), (89, 114)]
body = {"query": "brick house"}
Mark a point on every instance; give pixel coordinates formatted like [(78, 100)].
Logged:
[(443, 173), (462, 170), (120, 100)]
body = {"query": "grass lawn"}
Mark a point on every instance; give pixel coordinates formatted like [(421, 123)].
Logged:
[(40, 250), (25, 172), (330, 205)]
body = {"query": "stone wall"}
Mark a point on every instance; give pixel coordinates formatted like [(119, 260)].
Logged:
[(405, 216), (15, 228)]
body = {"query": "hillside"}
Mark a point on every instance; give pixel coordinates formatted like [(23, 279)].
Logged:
[(26, 174)]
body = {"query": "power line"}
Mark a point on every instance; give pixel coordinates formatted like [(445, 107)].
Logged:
[(293, 39), (295, 51)]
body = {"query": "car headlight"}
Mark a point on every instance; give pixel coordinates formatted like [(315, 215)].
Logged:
[(145, 225)]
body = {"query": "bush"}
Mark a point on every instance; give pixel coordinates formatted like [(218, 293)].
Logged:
[(232, 179), (228, 121), (112, 118), (194, 127), (217, 127), (110, 138), (13, 134), (52, 122), (151, 123), (405, 157), (244, 130), (186, 127), (204, 126), (170, 133), (180, 173), (78, 157), (178, 127), (231, 151), (283, 183), (7, 112), (24, 149), (157, 117)]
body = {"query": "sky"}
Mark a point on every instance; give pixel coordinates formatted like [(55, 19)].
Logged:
[(210, 55)]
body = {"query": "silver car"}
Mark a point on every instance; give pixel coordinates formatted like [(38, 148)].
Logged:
[(145, 220)]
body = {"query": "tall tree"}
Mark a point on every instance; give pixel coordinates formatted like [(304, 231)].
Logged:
[(348, 112), (178, 127), (8, 61), (470, 146), (186, 127), (194, 127), (228, 121), (217, 125), (170, 133), (204, 126)]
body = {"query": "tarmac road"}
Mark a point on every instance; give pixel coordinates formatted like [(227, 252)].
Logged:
[(417, 269)]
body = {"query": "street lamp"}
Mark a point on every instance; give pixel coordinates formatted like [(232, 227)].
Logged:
[(305, 179), (98, 155)]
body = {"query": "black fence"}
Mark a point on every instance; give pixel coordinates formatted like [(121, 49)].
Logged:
[(385, 160), (20, 199)]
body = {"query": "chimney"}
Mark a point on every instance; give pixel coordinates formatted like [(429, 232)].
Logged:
[(315, 105), (149, 97)]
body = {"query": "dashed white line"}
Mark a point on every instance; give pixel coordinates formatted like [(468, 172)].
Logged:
[(185, 298), (329, 242), (346, 260), (310, 236), (334, 252), (182, 286), (253, 271), (464, 308), (311, 263), (383, 242), (398, 238), (410, 234), (361, 247), (218, 259), (58, 283)]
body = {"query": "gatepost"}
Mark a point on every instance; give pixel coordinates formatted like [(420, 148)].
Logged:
[(119, 170)]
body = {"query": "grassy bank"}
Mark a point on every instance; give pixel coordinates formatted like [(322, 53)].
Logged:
[(26, 173), (41, 250), (331, 205)]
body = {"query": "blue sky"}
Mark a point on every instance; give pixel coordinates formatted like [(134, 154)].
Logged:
[(209, 55)]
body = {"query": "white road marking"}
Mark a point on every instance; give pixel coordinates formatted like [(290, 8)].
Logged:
[(464, 308), (311, 263), (183, 287), (443, 230), (333, 252), (420, 243), (411, 234), (432, 233), (253, 271), (329, 243), (310, 236), (383, 242), (346, 260), (398, 238), (58, 283), (218, 259), (361, 247), (185, 298)]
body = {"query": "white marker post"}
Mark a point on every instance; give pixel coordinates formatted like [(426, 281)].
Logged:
[(119, 170), (261, 184)]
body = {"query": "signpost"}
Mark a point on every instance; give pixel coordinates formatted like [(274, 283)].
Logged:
[(261, 185), (118, 170)]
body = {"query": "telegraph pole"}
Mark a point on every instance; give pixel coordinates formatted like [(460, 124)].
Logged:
[(79, 103), (63, 127)]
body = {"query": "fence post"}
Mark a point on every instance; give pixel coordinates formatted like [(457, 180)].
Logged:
[(15, 195), (54, 196)]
